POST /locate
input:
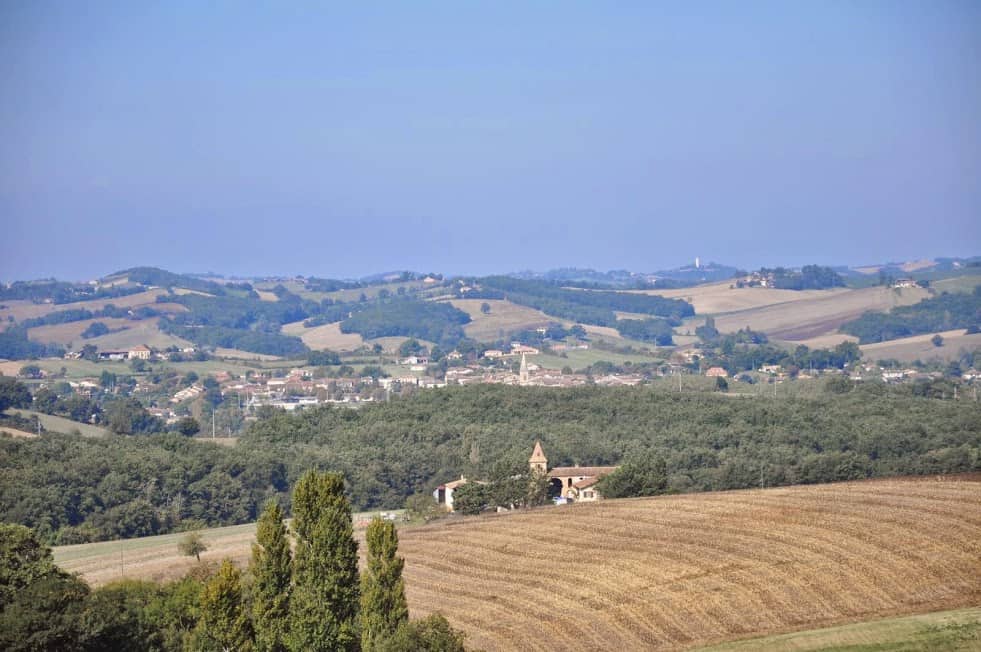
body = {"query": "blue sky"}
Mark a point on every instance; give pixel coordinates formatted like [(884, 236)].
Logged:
[(341, 139)]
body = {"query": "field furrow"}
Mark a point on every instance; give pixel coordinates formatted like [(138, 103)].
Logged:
[(675, 571)]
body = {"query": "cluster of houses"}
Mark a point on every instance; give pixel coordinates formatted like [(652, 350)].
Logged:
[(138, 352), (568, 484)]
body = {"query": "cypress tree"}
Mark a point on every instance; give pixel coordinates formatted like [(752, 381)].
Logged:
[(224, 622), (383, 604), (271, 567), (324, 604)]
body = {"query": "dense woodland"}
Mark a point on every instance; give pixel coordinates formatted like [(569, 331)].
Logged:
[(436, 322), (71, 489), (940, 313), (14, 345)]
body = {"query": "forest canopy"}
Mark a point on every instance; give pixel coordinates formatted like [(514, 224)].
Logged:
[(72, 489)]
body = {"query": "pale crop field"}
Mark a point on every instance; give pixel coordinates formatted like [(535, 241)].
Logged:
[(663, 573), (63, 425), (504, 317), (679, 571), (26, 309), (716, 298), (328, 336), (919, 347), (808, 318), (957, 284)]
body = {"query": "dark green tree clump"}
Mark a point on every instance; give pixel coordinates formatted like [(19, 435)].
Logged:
[(14, 394), (645, 475), (940, 313)]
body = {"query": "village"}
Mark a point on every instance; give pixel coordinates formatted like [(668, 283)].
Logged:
[(150, 376)]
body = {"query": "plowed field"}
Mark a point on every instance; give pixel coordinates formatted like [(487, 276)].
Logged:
[(679, 571), (672, 572)]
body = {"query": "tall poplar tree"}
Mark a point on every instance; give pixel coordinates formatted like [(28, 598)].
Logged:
[(224, 622), (272, 569), (383, 604), (324, 604)]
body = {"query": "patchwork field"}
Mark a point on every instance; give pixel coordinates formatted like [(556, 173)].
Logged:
[(503, 317), (716, 298), (813, 317), (132, 333), (21, 310), (919, 347), (665, 573), (328, 336)]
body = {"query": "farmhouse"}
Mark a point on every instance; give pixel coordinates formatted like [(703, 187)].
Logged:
[(570, 482), (140, 352), (716, 372), (444, 492)]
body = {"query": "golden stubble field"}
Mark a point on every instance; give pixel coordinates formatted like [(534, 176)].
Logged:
[(676, 571), (820, 315)]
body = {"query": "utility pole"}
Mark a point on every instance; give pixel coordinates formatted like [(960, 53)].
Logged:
[(212, 422)]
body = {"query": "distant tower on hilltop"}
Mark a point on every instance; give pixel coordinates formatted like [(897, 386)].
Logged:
[(523, 371), (537, 461), (697, 263)]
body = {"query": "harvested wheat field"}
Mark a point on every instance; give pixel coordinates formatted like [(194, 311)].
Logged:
[(23, 309), (663, 573), (920, 347), (327, 336), (716, 298), (680, 571), (809, 318), (504, 317)]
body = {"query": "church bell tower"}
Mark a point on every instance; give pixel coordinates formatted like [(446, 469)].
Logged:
[(538, 461)]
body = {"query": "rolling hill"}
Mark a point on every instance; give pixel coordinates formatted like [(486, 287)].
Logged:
[(668, 572), (820, 315)]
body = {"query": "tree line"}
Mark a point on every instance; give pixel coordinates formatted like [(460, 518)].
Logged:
[(72, 489), (947, 311), (582, 306)]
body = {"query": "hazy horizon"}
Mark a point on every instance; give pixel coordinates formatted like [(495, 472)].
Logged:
[(340, 141)]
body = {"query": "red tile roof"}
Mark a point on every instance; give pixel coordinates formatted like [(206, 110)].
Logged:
[(581, 471)]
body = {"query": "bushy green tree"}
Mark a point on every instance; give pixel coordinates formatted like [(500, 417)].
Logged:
[(224, 623), (324, 602), (383, 604), (430, 634), (192, 545), (24, 560), (13, 394), (471, 498), (271, 571), (644, 476)]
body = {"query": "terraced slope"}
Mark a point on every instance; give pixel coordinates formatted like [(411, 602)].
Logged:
[(679, 571)]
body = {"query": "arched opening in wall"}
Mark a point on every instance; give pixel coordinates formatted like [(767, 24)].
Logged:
[(554, 487)]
